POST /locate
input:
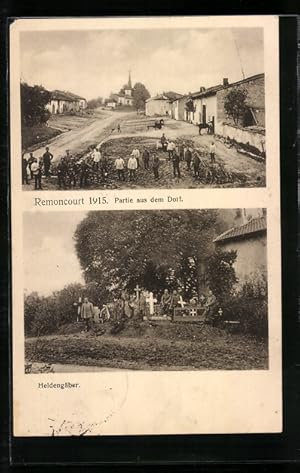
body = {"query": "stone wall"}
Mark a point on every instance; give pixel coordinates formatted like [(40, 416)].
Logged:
[(247, 135)]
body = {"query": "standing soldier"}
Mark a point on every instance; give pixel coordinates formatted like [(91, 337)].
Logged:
[(47, 158), (212, 151), (24, 170), (62, 170), (30, 161), (37, 174), (72, 173), (176, 161), (84, 173), (196, 164), (132, 167), (146, 157), (87, 312), (155, 165), (188, 158), (119, 128), (120, 167)]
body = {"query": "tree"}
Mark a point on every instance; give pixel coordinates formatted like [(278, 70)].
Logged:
[(235, 104), (95, 103), (121, 249), (221, 274), (33, 104), (140, 95)]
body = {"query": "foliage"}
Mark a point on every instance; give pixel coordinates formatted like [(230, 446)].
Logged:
[(249, 306), (33, 104), (235, 104), (140, 95), (189, 106), (221, 274), (121, 249), (45, 314), (95, 103)]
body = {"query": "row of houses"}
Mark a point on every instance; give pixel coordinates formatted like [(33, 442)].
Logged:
[(207, 106), (64, 102)]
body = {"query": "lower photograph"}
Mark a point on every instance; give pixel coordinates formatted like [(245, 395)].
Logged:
[(145, 290)]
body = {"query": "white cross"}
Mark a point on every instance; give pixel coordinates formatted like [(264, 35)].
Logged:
[(151, 300), (181, 302), (193, 312), (137, 290)]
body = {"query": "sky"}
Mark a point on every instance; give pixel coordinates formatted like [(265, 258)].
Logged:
[(50, 261), (96, 63)]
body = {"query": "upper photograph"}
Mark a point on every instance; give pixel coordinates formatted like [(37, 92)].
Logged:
[(143, 108)]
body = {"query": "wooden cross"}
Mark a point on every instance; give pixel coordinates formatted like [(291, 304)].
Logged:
[(137, 290), (151, 300)]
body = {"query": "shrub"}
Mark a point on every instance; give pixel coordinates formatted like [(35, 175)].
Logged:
[(249, 306), (221, 274)]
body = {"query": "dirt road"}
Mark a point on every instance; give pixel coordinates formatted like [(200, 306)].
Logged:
[(78, 139)]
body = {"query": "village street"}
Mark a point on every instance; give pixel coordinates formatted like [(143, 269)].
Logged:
[(233, 169), (79, 139)]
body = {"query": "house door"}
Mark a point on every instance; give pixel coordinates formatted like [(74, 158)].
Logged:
[(53, 108), (203, 113)]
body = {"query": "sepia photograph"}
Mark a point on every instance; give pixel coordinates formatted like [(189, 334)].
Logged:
[(145, 290), (143, 108)]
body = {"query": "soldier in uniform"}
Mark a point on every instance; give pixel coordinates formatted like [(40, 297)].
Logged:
[(62, 170)]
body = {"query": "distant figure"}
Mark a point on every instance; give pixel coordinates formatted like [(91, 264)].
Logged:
[(164, 142), (175, 299), (181, 149), (47, 158), (212, 151), (146, 158), (165, 302), (87, 312), (24, 170), (120, 167), (132, 167), (119, 128), (37, 174), (84, 173), (209, 306), (155, 166)]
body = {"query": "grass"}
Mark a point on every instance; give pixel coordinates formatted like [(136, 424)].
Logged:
[(36, 135)]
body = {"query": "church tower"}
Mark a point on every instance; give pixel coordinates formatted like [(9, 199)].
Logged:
[(128, 88), (129, 81)]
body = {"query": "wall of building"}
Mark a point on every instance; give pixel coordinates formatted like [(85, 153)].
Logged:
[(158, 107), (255, 138), (178, 111), (211, 109), (255, 99), (251, 254)]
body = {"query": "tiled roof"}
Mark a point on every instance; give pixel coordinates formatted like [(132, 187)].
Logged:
[(253, 226), (62, 95), (210, 91)]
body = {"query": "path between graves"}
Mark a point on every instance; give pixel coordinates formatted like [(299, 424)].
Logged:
[(151, 346)]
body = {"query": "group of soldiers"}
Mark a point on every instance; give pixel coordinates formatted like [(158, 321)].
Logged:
[(129, 305), (33, 168), (95, 166)]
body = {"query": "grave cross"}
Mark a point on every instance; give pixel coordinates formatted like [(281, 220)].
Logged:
[(137, 290), (193, 312), (151, 300)]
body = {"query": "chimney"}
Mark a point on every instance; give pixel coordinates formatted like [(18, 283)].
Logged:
[(202, 89), (225, 81)]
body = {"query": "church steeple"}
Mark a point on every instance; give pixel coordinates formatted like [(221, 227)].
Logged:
[(129, 81)]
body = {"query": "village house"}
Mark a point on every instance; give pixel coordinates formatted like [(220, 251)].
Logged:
[(63, 102), (161, 104), (178, 108), (249, 239), (111, 103)]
